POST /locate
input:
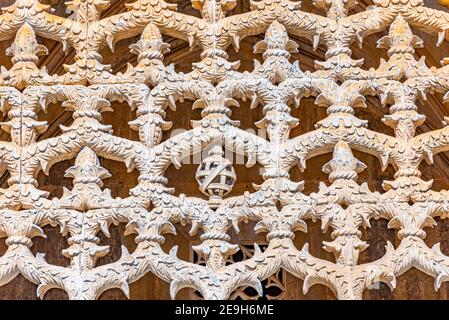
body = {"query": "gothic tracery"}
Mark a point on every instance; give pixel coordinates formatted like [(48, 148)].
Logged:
[(215, 84)]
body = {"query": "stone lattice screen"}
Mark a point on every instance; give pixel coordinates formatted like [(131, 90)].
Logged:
[(278, 206)]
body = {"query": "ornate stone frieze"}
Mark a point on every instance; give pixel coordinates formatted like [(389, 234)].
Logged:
[(278, 206)]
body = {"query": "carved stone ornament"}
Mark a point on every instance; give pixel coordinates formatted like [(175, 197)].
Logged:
[(215, 85)]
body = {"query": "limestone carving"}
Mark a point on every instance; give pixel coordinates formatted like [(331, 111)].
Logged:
[(278, 206)]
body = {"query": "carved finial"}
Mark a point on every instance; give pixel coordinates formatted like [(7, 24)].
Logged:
[(150, 45), (150, 49), (343, 164), (276, 39), (277, 49), (25, 52), (25, 47), (87, 169), (400, 38)]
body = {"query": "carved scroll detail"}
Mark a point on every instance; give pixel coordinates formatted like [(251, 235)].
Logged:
[(278, 206)]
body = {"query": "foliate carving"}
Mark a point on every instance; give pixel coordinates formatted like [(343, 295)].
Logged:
[(278, 206), (25, 52)]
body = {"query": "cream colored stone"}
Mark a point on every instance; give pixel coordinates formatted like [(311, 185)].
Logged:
[(339, 84)]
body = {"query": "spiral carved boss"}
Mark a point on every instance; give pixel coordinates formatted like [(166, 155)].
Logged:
[(215, 84)]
